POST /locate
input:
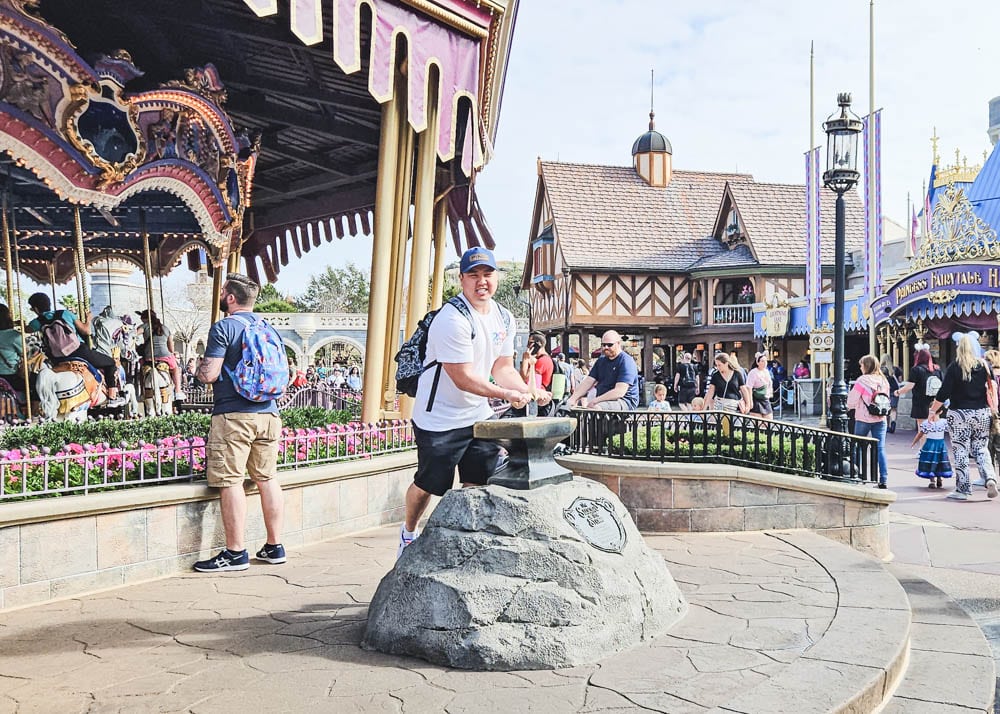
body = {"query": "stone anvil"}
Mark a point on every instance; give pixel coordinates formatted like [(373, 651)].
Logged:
[(529, 442)]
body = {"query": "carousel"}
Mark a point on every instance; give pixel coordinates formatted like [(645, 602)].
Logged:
[(91, 174)]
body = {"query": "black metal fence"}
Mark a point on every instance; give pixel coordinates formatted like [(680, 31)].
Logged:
[(726, 438)]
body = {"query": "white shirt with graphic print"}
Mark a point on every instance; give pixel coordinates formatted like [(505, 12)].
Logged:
[(450, 341)]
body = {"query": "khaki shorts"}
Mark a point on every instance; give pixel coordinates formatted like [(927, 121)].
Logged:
[(242, 443)]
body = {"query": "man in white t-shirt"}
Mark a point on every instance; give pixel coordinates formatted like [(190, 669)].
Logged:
[(465, 347)]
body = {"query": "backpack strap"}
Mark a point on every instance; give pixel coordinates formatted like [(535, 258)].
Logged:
[(460, 305)]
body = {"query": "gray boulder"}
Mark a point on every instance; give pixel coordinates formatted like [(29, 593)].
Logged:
[(503, 579)]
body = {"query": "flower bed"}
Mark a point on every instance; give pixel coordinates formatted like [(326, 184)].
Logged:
[(56, 459)]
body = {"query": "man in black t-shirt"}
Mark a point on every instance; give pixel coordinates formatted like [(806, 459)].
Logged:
[(685, 381)]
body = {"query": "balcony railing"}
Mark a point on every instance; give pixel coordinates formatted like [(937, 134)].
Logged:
[(733, 314)]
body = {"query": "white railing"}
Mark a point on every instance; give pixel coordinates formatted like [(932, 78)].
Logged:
[(733, 314), (313, 321)]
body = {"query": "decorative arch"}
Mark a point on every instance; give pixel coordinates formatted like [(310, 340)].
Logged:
[(314, 348)]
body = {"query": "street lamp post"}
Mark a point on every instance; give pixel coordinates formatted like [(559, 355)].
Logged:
[(841, 175)]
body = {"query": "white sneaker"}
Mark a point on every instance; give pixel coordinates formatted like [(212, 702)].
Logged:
[(991, 488), (958, 496), (980, 482), (405, 540)]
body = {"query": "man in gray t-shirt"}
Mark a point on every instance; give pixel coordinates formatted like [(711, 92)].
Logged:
[(243, 438)]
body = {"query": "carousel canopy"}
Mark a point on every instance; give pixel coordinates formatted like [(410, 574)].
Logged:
[(309, 83)]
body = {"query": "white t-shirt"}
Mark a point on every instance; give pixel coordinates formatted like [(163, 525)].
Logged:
[(450, 340)]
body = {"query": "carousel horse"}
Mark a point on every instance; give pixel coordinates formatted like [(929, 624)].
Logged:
[(68, 390), (115, 337), (157, 389)]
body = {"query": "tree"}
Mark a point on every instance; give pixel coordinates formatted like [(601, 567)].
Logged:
[(68, 302), (188, 312), (278, 305), (270, 300), (337, 290), (508, 291)]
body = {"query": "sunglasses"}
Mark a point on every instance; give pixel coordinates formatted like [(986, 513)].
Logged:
[(608, 344)]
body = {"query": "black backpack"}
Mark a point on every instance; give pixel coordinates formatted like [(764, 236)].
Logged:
[(687, 376), (410, 358)]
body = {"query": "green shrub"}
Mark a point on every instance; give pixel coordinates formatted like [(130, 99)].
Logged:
[(798, 453), (55, 435)]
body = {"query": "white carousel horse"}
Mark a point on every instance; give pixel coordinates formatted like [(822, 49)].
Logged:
[(63, 395), (157, 389), (115, 337)]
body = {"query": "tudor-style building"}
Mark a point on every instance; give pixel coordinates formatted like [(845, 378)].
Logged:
[(672, 258)]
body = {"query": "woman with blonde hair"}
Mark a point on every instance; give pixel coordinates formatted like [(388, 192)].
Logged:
[(970, 387), (863, 399), (727, 390)]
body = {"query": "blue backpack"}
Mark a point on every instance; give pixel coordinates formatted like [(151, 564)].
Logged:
[(262, 372)]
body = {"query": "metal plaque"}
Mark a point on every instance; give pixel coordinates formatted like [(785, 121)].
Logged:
[(597, 523)]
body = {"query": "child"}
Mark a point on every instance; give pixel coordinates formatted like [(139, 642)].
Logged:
[(659, 403), (933, 463), (698, 405)]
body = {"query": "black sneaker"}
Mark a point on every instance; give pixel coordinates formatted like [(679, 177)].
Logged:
[(225, 560), (272, 553)]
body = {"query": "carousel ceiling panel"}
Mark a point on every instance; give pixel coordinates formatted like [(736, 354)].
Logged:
[(296, 95)]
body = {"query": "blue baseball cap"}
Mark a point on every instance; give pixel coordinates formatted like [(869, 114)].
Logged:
[(476, 257)]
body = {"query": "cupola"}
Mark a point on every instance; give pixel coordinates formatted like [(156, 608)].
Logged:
[(652, 154)]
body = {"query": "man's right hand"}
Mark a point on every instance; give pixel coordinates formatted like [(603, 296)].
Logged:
[(517, 399)]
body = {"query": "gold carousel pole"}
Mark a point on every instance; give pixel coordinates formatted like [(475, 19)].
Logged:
[(401, 232), (17, 274), (378, 304), (423, 228), (440, 231), (216, 289), (148, 264), (7, 258), (52, 276), (81, 271)]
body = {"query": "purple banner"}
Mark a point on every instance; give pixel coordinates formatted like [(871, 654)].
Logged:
[(866, 259), (810, 296), (877, 175), (817, 237)]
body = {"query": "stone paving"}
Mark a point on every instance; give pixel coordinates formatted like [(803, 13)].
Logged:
[(284, 638)]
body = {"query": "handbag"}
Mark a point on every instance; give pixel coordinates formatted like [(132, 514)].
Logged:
[(726, 405), (759, 394)]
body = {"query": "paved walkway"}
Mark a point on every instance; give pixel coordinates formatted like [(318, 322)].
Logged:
[(951, 544), (283, 638)]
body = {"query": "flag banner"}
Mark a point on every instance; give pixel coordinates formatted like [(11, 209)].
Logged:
[(927, 202), (866, 256), (817, 236), (809, 236), (913, 232), (876, 249)]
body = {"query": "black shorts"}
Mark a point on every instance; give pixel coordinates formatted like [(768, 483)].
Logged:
[(761, 406), (439, 452)]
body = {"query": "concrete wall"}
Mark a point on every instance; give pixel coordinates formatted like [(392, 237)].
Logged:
[(688, 498), (59, 547)]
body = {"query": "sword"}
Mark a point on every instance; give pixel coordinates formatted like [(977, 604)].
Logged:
[(531, 409)]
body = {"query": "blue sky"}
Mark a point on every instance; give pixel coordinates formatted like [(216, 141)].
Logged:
[(731, 93)]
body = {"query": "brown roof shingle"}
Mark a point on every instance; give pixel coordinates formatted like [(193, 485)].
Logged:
[(774, 218), (607, 217)]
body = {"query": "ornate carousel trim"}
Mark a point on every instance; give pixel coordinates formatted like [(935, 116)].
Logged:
[(957, 233)]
